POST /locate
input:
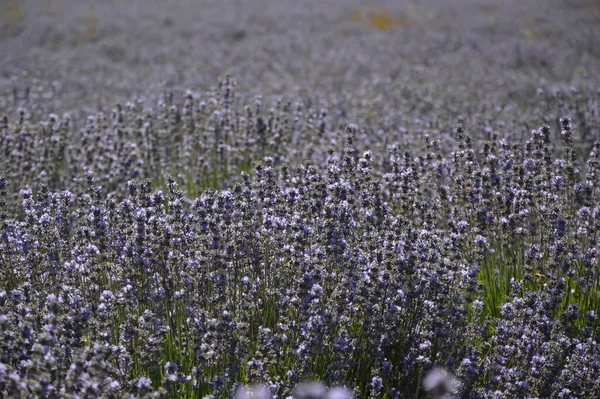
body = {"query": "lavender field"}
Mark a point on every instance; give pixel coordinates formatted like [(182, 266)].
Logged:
[(302, 199)]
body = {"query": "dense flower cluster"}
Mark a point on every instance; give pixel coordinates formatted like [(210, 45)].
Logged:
[(483, 262), (372, 220)]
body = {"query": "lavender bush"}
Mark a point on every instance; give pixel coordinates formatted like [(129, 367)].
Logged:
[(415, 221)]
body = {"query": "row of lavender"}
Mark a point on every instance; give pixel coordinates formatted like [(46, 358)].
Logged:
[(283, 250), (206, 139)]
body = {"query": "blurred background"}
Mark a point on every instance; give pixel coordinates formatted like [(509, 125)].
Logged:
[(87, 55)]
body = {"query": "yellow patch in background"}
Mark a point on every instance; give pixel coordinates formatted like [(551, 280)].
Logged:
[(381, 20), (14, 14), (90, 24)]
